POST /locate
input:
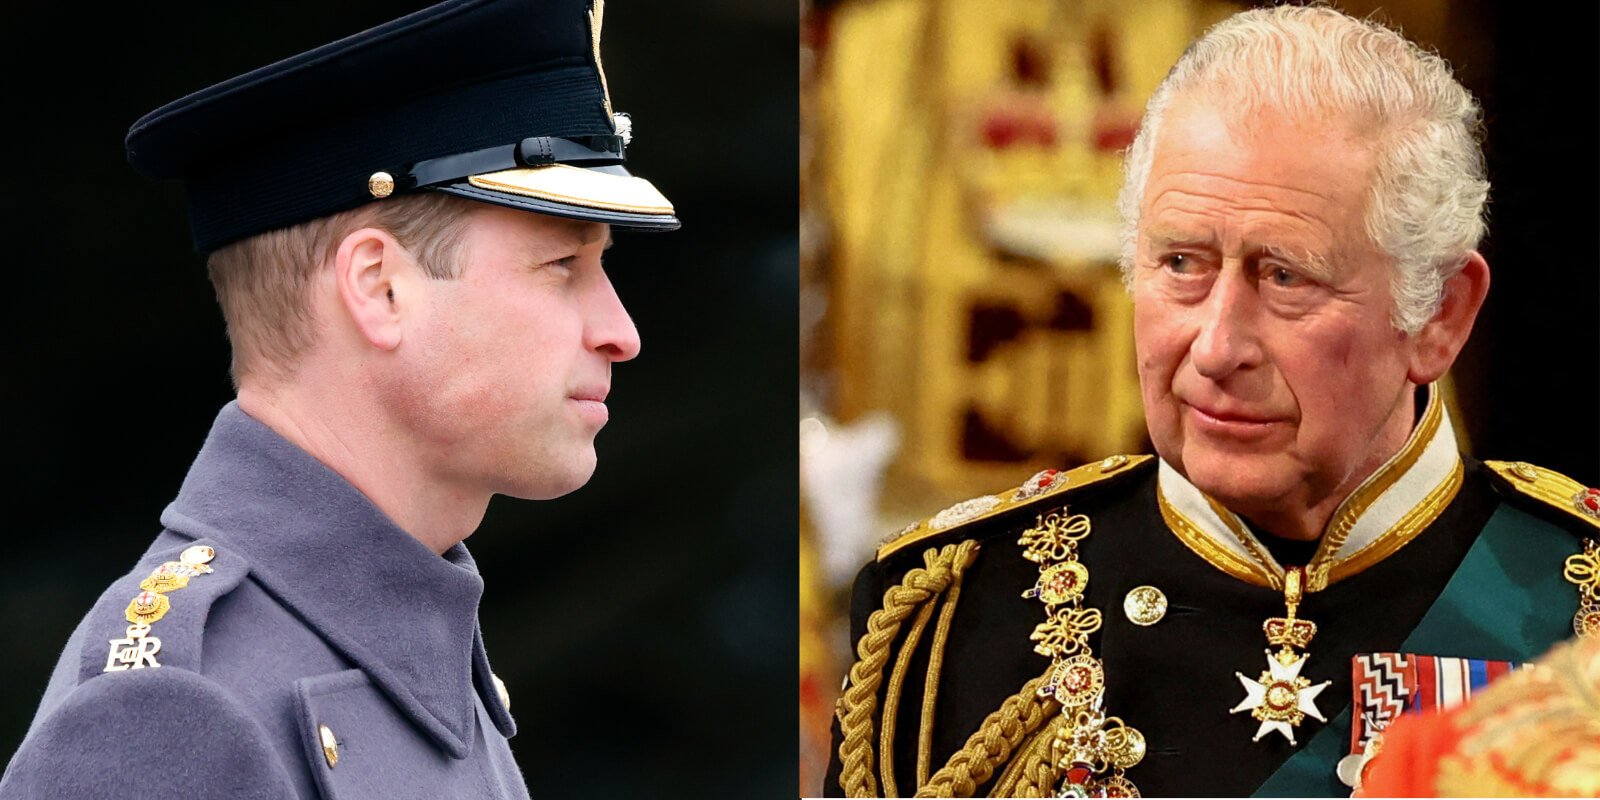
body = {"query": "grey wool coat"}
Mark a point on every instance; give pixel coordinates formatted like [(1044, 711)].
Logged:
[(326, 652)]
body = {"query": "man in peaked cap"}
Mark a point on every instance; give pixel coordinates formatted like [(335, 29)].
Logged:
[(407, 250), (1308, 555)]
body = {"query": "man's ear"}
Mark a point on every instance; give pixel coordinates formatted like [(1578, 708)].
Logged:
[(370, 268), (1435, 347)]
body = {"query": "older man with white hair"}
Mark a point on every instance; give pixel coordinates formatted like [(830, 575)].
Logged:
[(1307, 556)]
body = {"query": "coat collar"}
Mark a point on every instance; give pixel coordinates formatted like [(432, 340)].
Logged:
[(397, 610), (1388, 509)]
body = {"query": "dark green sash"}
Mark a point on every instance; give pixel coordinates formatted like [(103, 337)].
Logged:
[(1506, 602)]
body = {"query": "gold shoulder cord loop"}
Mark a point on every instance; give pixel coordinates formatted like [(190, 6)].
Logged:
[(930, 686), (856, 707), (891, 696), (1032, 773), (993, 743), (1082, 740)]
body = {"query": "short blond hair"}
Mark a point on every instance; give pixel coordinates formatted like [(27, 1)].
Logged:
[(263, 283)]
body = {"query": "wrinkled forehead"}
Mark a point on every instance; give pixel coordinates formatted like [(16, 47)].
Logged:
[(1271, 158)]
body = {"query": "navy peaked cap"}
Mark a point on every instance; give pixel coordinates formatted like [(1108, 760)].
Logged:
[(502, 101)]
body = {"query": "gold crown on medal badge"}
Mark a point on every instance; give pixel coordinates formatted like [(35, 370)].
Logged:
[(1290, 631)]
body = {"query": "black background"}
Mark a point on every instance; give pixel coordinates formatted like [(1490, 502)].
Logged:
[(1529, 379), (645, 624)]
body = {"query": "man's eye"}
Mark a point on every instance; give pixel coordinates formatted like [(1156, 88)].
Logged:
[(1179, 263), (567, 262), (1285, 277)]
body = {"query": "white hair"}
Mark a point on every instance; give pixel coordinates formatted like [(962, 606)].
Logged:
[(1426, 205)]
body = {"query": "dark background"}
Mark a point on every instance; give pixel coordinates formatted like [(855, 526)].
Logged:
[(1529, 379), (645, 625)]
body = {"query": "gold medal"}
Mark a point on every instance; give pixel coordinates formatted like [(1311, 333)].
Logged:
[(160, 582), (147, 607)]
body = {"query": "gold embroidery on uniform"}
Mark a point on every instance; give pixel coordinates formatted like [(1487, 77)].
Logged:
[(137, 649), (1583, 571), (1085, 741), (1215, 554), (857, 706), (1323, 570), (1354, 506), (1406, 529)]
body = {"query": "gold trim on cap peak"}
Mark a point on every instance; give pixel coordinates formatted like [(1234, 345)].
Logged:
[(576, 186)]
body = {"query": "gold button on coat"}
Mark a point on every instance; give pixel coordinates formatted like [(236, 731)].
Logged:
[(1145, 605), (500, 687), (330, 745), (198, 554)]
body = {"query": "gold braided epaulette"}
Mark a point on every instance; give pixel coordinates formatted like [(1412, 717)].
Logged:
[(1552, 488), (1044, 485)]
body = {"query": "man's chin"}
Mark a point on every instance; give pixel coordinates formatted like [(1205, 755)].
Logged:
[(1241, 482), (549, 481)]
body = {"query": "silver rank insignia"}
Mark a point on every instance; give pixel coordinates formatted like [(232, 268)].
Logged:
[(135, 651)]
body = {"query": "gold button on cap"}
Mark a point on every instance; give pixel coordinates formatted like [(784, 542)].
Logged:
[(199, 554), (330, 745), (381, 184), (1525, 471), (1145, 605)]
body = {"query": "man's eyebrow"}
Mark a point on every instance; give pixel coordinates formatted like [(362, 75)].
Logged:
[(1308, 260), (1162, 237)]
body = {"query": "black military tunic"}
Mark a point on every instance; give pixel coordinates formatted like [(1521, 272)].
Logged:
[(1175, 680)]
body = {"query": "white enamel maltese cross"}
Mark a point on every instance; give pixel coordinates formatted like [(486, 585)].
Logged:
[(1280, 698)]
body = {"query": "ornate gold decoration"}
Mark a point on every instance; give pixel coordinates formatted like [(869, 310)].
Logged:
[(1583, 571), (137, 649), (597, 13), (164, 582), (1040, 487), (1054, 538), (1549, 487), (1144, 605), (1587, 502), (1059, 583), (1281, 699), (1085, 742), (147, 607)]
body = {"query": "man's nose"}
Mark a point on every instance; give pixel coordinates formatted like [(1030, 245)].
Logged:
[(610, 330), (1227, 340)]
